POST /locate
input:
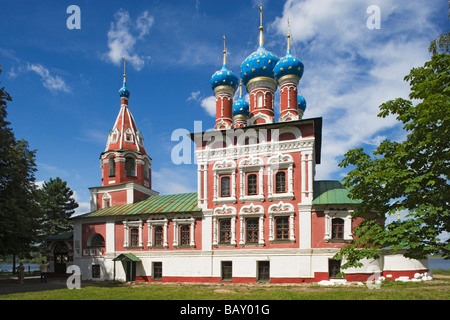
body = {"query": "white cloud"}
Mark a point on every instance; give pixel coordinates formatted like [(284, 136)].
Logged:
[(123, 36), (52, 83), (208, 103), (351, 70)]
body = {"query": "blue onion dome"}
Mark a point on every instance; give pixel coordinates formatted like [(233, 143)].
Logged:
[(224, 77), (241, 107), (260, 63), (289, 65), (124, 92), (301, 103)]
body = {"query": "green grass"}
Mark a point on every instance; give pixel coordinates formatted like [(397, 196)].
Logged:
[(390, 290)]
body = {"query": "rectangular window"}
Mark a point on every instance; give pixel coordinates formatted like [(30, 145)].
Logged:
[(337, 228), (225, 230), (225, 186), (227, 273), (185, 233), (282, 228), (280, 182), (157, 271), (252, 228), (252, 184), (334, 267), (95, 271), (134, 237), (159, 235), (263, 271)]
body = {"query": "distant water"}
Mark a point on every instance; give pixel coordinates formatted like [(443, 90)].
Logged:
[(28, 267), (438, 263)]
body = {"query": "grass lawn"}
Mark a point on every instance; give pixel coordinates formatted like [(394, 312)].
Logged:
[(437, 289)]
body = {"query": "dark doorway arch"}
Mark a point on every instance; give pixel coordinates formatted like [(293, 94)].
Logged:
[(61, 256)]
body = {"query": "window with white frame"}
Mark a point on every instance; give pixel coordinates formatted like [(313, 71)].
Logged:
[(280, 177), (252, 225), (224, 182), (183, 235), (106, 200), (132, 233), (338, 225), (157, 232), (224, 226), (281, 222), (251, 179)]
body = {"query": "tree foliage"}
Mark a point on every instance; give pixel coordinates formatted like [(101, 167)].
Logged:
[(412, 175), (57, 204), (18, 206)]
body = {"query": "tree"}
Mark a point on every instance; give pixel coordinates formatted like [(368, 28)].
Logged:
[(18, 207), (412, 175), (57, 204)]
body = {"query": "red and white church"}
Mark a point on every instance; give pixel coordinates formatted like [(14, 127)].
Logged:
[(258, 213)]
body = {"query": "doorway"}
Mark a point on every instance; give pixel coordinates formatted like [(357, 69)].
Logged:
[(61, 256)]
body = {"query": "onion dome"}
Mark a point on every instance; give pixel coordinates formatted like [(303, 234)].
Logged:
[(224, 77), (260, 63), (241, 107), (124, 92), (289, 65), (301, 103)]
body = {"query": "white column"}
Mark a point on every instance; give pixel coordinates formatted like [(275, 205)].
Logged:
[(304, 220)]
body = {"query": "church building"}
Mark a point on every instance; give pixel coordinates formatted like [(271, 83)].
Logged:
[(258, 213)]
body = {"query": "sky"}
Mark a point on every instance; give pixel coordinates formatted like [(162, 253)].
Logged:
[(64, 81)]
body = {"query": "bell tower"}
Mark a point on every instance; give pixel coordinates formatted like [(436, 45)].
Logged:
[(125, 165)]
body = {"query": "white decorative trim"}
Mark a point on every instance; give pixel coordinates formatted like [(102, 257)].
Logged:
[(257, 149), (290, 116), (127, 224), (251, 164), (224, 212), (274, 163), (277, 210), (157, 221), (106, 197), (260, 115), (345, 215), (251, 211), (180, 221)]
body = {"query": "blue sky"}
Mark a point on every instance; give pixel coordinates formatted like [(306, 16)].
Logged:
[(64, 83)]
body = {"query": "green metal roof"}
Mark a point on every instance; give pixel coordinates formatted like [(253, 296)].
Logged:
[(331, 192), (126, 257), (174, 203)]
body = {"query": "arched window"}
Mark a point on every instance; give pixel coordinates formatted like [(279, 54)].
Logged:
[(130, 167), (252, 184), (112, 166), (97, 241), (280, 182), (225, 186), (259, 99), (337, 228)]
